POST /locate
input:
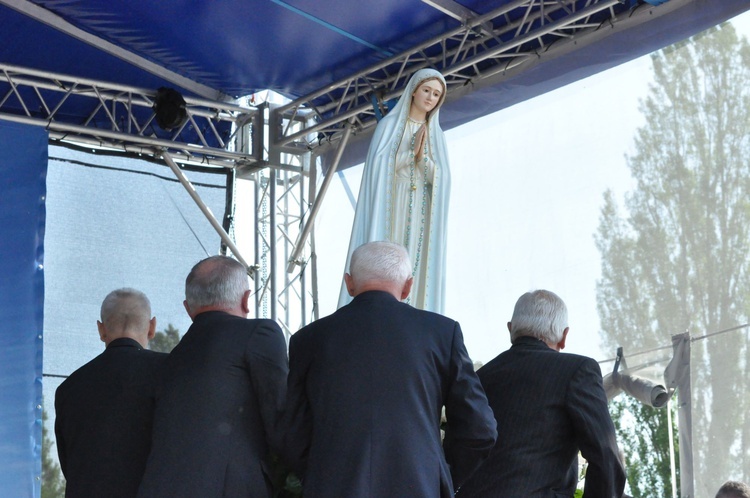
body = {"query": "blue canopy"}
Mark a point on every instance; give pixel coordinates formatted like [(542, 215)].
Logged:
[(234, 48)]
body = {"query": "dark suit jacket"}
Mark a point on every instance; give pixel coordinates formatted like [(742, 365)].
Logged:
[(548, 406), (366, 388), (104, 412), (217, 410)]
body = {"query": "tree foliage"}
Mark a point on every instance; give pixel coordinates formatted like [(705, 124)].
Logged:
[(165, 340), (647, 463), (679, 260)]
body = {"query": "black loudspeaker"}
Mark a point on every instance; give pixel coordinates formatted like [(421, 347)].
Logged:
[(169, 108)]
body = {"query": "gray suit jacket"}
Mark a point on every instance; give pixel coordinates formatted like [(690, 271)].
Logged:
[(548, 406)]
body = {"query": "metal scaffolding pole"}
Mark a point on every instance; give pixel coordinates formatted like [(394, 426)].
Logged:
[(299, 244), (207, 212), (677, 375)]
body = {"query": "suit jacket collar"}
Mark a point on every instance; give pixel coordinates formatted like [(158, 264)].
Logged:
[(526, 342), (207, 315), (374, 295), (124, 342)]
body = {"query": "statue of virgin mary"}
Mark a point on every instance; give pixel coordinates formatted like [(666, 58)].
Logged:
[(405, 188)]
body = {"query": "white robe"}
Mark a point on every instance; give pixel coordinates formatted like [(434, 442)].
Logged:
[(382, 211)]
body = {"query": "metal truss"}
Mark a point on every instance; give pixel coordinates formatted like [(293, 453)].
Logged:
[(281, 203), (121, 118), (215, 135), (483, 50), (483, 47)]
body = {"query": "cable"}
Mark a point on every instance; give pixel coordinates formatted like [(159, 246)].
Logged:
[(692, 339), (147, 173)]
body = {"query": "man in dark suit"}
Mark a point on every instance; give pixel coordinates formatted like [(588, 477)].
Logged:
[(220, 402), (366, 389), (104, 410), (549, 406)]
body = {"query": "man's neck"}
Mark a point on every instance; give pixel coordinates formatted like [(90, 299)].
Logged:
[(126, 336), (389, 287), (231, 311)]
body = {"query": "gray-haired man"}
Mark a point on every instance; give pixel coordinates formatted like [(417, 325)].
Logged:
[(218, 408), (366, 388), (549, 406)]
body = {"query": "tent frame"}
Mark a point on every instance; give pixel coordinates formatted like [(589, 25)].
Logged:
[(278, 147), (473, 56)]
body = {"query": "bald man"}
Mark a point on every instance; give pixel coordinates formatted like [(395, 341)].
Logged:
[(105, 408)]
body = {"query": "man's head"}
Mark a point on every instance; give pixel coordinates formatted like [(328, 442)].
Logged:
[(733, 489), (217, 283), (540, 314), (382, 266), (126, 313)]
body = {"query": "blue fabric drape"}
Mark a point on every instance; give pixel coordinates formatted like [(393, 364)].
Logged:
[(23, 168)]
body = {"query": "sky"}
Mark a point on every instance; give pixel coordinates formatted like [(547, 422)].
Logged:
[(527, 189)]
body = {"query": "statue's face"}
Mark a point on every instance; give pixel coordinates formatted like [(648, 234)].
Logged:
[(427, 95)]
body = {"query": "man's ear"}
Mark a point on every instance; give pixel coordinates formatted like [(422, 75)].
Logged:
[(509, 325), (151, 328), (102, 331), (187, 308), (349, 281), (246, 302), (561, 344), (407, 288)]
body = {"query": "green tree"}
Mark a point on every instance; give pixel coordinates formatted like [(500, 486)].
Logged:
[(679, 260), (165, 340), (647, 463), (53, 484)]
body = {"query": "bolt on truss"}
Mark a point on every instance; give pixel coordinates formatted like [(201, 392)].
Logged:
[(483, 47)]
